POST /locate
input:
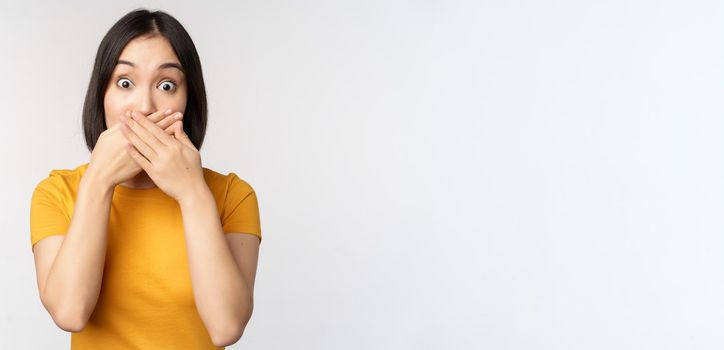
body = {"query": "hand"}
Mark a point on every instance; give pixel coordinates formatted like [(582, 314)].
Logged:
[(172, 162), (111, 162)]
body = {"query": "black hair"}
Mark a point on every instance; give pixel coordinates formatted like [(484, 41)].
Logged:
[(134, 24)]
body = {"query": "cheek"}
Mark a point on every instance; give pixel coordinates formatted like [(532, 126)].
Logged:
[(179, 100), (113, 106)]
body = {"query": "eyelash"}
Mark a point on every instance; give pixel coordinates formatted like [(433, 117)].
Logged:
[(175, 85)]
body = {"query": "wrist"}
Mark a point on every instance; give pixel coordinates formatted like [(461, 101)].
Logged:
[(195, 195), (96, 183), (93, 175)]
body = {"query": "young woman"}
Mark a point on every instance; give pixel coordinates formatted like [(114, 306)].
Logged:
[(142, 247)]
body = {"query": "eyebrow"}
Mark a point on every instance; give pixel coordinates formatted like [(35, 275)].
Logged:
[(162, 66)]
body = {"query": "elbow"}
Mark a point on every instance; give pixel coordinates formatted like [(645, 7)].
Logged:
[(69, 315), (228, 336), (70, 322), (229, 332), (67, 319)]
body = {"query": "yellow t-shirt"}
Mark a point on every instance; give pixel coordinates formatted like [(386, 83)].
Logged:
[(146, 299)]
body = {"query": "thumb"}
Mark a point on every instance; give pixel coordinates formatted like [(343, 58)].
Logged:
[(181, 135)]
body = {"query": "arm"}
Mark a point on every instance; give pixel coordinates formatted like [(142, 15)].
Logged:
[(223, 292), (69, 268)]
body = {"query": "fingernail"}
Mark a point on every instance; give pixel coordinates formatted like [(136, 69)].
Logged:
[(168, 111), (178, 116)]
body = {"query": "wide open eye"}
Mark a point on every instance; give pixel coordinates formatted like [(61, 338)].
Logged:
[(124, 83), (167, 85)]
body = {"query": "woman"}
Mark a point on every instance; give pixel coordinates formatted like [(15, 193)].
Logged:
[(143, 247)]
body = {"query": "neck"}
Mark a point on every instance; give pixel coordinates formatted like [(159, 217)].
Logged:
[(141, 180)]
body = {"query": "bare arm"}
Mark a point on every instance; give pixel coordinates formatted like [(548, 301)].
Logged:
[(70, 268), (222, 291)]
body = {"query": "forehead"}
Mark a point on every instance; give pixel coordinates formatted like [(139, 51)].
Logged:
[(148, 51)]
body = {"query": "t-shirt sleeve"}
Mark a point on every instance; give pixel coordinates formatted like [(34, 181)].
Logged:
[(241, 208), (47, 214)]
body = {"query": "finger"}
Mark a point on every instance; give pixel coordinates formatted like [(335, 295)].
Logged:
[(144, 129), (126, 115), (150, 132), (181, 135), (137, 142), (157, 116), (169, 117), (169, 121), (138, 157)]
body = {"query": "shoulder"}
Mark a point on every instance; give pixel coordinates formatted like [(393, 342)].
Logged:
[(224, 183), (61, 180), (229, 189)]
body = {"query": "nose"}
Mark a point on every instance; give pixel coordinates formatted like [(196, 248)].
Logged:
[(144, 102)]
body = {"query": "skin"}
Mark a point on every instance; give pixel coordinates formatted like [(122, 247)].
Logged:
[(146, 147), (144, 88)]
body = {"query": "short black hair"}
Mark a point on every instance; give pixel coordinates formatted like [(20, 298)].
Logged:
[(134, 24)]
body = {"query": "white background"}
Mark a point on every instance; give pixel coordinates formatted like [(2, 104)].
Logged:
[(431, 174)]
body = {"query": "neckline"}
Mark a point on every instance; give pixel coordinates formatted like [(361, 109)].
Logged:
[(138, 192), (133, 192)]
